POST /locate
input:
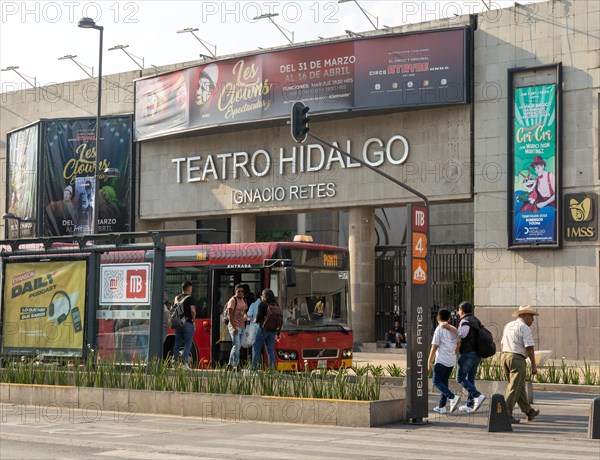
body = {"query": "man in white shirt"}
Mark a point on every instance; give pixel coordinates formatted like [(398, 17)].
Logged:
[(443, 350), (517, 345)]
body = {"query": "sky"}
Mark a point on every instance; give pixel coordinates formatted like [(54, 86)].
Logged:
[(35, 34)]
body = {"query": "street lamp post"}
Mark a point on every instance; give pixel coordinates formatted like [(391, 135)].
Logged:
[(281, 29), (78, 64), (366, 13), (89, 23), (213, 54)]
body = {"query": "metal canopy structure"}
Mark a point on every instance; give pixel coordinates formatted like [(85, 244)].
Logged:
[(93, 246)]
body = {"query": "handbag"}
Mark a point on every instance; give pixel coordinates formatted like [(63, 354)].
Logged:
[(249, 335)]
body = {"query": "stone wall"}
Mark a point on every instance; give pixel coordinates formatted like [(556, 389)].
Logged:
[(563, 283)]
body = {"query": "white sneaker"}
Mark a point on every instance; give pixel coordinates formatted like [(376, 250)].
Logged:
[(440, 410), (478, 401), (466, 409), (453, 402)]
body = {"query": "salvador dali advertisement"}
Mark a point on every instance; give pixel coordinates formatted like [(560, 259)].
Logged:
[(44, 308), (535, 166), (69, 153)]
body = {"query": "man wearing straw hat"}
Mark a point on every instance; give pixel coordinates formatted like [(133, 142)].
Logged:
[(517, 345)]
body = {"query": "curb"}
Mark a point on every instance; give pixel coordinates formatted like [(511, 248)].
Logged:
[(567, 388), (236, 408)]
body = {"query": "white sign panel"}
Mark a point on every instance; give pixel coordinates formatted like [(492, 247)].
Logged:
[(125, 284)]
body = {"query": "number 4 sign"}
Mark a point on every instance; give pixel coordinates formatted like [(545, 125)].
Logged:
[(419, 245)]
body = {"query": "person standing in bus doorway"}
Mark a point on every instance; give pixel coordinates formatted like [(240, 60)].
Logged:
[(269, 330), (249, 298), (185, 333), (236, 314)]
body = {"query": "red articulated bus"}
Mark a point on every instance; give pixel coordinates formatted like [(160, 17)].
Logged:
[(311, 283)]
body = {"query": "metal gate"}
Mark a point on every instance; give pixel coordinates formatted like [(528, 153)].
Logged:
[(451, 275)]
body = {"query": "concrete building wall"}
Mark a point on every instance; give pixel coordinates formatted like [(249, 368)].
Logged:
[(563, 283), (439, 154)]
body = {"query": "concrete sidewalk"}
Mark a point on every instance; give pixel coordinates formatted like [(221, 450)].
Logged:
[(560, 432)]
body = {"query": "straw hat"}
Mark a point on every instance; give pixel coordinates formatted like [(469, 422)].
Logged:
[(525, 310)]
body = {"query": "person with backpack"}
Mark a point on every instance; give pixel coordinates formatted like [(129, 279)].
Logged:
[(236, 323), (517, 345), (469, 359), (270, 319), (185, 332)]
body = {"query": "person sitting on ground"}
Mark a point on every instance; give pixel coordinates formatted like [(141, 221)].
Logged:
[(395, 336)]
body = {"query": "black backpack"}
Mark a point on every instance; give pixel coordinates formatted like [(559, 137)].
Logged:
[(274, 318), (177, 313), (485, 342)]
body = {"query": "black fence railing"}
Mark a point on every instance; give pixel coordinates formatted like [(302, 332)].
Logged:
[(451, 275)]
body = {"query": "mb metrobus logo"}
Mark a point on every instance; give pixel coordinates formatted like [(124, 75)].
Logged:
[(137, 283), (123, 284)]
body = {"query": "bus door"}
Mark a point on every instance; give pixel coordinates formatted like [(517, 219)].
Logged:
[(200, 354), (223, 282)]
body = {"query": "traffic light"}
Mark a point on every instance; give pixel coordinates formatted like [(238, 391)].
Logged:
[(299, 122)]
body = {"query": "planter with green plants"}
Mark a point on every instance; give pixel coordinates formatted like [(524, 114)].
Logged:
[(491, 378), (320, 397), (580, 378)]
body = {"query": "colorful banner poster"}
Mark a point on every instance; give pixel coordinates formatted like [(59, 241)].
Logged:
[(21, 186), (44, 308), (535, 165), (70, 156), (421, 69)]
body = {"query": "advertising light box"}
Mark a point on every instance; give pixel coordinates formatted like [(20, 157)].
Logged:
[(394, 71), (44, 308)]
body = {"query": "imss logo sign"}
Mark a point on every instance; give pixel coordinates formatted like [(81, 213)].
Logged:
[(581, 219)]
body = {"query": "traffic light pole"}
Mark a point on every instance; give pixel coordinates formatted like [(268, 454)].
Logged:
[(418, 293), (372, 168)]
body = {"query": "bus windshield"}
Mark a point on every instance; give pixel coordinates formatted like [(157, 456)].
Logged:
[(320, 300)]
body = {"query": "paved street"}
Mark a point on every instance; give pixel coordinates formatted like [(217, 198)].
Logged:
[(50, 433)]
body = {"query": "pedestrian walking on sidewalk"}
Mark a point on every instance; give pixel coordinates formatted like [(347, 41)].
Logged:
[(517, 345), (468, 360), (443, 350)]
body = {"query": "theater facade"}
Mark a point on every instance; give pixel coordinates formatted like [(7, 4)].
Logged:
[(494, 117)]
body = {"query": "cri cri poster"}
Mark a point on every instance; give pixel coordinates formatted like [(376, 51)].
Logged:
[(534, 143)]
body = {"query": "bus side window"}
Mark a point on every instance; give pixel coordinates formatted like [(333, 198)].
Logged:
[(202, 310)]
